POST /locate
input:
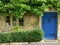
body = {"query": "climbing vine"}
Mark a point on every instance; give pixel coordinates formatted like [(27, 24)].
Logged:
[(18, 8)]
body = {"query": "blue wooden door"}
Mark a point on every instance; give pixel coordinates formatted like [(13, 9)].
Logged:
[(49, 25)]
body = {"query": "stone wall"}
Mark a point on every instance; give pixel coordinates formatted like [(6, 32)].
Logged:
[(31, 21), (58, 26)]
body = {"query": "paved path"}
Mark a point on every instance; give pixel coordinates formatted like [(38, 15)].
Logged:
[(34, 43), (43, 44)]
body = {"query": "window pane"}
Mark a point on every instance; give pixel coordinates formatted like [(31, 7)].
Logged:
[(0, 21), (8, 20), (21, 22), (14, 21)]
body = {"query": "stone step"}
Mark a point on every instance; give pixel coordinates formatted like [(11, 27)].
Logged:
[(51, 41)]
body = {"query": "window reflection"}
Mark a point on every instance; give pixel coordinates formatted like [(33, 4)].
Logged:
[(7, 20), (14, 21), (21, 22)]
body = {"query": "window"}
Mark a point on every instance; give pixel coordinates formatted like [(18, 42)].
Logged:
[(7, 20), (14, 21), (0, 21), (21, 22)]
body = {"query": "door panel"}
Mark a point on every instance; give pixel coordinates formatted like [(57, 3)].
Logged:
[(49, 25)]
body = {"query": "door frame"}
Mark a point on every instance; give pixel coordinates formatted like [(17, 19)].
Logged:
[(57, 22)]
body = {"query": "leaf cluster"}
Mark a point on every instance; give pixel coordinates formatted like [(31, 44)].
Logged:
[(18, 8)]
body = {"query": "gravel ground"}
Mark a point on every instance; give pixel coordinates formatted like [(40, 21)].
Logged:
[(44, 44), (33, 43)]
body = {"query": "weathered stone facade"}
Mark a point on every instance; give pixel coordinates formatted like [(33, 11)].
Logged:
[(58, 30), (29, 22)]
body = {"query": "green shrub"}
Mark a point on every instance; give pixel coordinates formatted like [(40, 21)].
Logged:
[(16, 28), (22, 36)]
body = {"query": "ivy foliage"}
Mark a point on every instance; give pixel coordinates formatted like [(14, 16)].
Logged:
[(18, 8)]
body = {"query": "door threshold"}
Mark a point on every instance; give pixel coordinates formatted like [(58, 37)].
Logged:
[(49, 41)]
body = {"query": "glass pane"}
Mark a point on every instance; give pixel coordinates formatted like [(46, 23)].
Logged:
[(21, 22), (14, 21), (8, 20), (0, 21)]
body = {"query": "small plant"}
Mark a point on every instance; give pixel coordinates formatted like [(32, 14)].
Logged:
[(16, 28)]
